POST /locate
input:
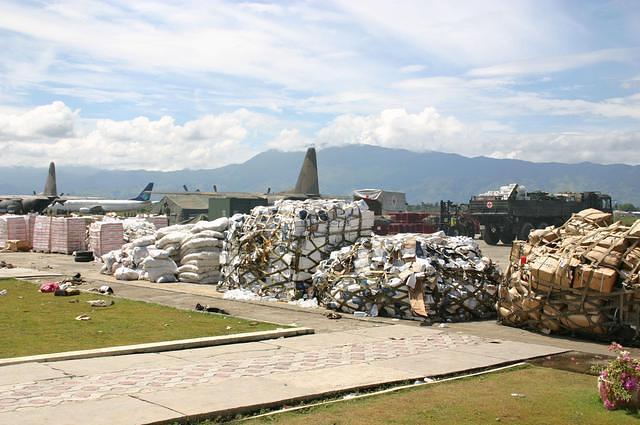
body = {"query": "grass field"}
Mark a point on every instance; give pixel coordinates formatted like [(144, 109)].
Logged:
[(543, 396), (36, 323)]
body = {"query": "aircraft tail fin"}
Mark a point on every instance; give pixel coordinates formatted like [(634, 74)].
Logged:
[(308, 178), (145, 195), (50, 187)]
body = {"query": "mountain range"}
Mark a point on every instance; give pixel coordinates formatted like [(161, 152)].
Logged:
[(424, 176)]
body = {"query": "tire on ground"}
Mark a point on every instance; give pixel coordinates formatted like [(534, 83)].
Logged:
[(490, 237)]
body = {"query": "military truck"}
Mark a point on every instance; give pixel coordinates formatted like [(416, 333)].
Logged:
[(512, 212)]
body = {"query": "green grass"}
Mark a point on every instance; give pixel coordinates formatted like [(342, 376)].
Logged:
[(550, 397), (627, 220), (36, 323)]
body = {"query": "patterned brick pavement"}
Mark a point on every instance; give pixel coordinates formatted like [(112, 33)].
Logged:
[(143, 380)]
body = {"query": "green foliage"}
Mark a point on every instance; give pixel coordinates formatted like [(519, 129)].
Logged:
[(627, 207)]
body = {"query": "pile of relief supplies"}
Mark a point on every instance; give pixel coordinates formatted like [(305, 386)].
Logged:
[(581, 277), (274, 251), (186, 253), (421, 276)]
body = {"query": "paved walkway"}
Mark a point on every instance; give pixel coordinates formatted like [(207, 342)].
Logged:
[(171, 385)]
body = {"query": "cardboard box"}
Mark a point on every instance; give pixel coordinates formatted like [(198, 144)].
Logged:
[(549, 270), (599, 254), (601, 279)]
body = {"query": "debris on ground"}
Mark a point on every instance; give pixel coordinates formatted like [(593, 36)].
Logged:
[(66, 292), (334, 316), (83, 317), (210, 309), (3, 292), (49, 287), (104, 289), (100, 303), (580, 277), (5, 265)]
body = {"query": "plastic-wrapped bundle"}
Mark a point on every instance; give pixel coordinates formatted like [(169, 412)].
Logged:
[(68, 234), (410, 276), (581, 277), (42, 234), (13, 227), (105, 236), (277, 249)]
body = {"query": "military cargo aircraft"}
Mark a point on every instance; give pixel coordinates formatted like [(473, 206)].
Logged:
[(22, 204)]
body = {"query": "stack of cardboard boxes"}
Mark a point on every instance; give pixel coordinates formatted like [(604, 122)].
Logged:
[(580, 277)]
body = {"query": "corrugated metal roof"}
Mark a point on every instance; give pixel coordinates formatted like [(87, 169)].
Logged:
[(190, 201)]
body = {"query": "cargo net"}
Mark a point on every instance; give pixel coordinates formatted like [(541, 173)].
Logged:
[(411, 276), (274, 251), (581, 278)]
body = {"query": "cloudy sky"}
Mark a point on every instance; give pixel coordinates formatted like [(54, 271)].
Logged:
[(200, 84)]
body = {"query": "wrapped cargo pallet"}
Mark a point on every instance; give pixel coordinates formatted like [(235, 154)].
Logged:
[(579, 278), (30, 221), (420, 276), (105, 236), (68, 234), (277, 249), (13, 228), (42, 234)]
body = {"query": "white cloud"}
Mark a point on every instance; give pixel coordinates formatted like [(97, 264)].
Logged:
[(55, 132), (619, 107), (48, 121), (546, 65), (410, 69), (37, 136), (393, 128), (254, 40), (290, 140), (471, 31)]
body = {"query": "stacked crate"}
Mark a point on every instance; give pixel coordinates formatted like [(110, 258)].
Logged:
[(12, 228), (68, 234), (105, 236), (42, 234)]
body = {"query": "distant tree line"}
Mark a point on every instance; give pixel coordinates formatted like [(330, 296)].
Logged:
[(626, 207), (424, 206)]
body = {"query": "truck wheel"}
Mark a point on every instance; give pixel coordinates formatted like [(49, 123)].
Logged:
[(490, 237), (524, 231), (507, 239)]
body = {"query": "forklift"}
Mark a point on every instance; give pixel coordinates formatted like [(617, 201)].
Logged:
[(455, 220)]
